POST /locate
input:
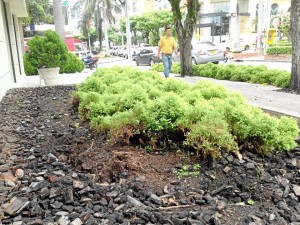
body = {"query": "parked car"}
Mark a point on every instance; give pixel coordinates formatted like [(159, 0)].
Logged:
[(147, 56), (122, 51), (244, 46), (204, 52), (113, 50), (134, 52)]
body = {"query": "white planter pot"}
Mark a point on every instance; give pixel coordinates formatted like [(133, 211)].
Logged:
[(49, 75)]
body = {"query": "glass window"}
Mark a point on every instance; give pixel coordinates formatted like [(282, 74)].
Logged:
[(219, 6), (243, 6), (274, 9)]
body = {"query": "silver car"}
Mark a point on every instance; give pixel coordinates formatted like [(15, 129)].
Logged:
[(204, 52), (147, 56)]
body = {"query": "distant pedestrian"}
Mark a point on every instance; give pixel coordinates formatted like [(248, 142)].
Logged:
[(167, 45)]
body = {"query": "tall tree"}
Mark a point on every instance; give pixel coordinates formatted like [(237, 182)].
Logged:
[(133, 27), (94, 9), (151, 23), (295, 27), (59, 19), (285, 25), (185, 23), (38, 12)]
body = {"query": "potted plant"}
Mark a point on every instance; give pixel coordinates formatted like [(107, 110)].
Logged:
[(47, 53)]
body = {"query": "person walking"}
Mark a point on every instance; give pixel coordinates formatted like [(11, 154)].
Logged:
[(166, 45)]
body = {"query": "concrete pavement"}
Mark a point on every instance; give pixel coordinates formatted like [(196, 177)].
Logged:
[(268, 98)]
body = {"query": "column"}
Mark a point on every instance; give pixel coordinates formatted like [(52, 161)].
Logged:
[(234, 27)]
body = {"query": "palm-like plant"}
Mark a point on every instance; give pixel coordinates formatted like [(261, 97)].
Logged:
[(92, 10)]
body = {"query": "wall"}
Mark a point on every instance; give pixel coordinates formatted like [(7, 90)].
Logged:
[(6, 67), (11, 69)]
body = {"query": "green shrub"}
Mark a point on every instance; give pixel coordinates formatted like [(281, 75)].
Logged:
[(283, 80), (224, 73), (128, 104), (209, 70), (163, 113), (282, 43), (279, 50), (29, 68), (255, 74), (211, 136), (47, 51), (176, 68), (159, 67), (73, 64), (92, 84), (50, 51)]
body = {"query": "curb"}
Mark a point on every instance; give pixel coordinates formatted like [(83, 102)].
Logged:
[(261, 60), (277, 113), (110, 61)]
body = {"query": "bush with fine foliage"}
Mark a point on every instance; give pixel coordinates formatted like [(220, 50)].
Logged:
[(279, 50), (73, 64), (50, 51), (130, 105), (254, 74)]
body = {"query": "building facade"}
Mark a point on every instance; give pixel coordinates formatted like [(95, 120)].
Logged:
[(252, 17), (12, 68), (162, 5), (138, 7)]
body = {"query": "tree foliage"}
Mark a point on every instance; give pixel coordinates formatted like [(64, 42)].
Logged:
[(151, 23), (285, 25), (98, 10), (38, 12), (148, 24)]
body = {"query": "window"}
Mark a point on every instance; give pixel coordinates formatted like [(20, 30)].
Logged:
[(219, 6), (243, 6), (274, 9)]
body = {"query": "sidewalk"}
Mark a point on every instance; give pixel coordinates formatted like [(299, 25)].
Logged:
[(268, 98), (257, 57)]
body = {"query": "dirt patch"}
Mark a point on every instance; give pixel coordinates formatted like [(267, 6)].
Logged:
[(253, 55), (287, 58)]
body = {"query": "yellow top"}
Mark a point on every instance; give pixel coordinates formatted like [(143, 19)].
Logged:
[(167, 45)]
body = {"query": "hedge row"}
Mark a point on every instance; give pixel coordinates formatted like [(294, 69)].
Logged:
[(281, 44), (134, 106), (279, 50), (253, 74)]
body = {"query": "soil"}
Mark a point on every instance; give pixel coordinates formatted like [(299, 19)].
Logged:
[(243, 55), (240, 191)]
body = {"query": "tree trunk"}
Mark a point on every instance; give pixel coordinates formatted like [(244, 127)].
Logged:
[(185, 48), (295, 27), (100, 33), (147, 37), (59, 19), (134, 37), (184, 31)]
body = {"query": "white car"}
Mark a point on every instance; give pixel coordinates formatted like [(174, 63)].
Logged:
[(204, 52)]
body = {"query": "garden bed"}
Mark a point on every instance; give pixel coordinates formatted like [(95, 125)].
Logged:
[(71, 174)]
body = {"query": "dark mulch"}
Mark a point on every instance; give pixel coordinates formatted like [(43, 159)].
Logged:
[(39, 126)]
